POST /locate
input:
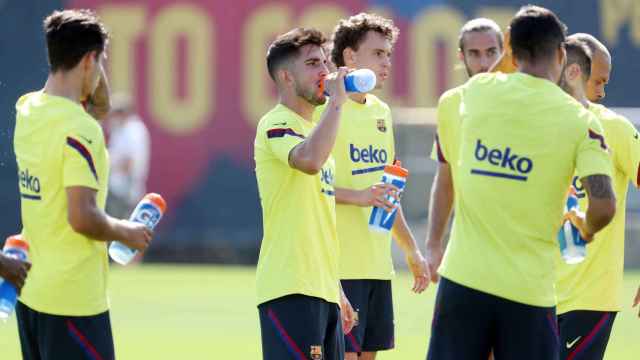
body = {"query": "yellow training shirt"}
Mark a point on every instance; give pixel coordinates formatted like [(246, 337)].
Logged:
[(58, 145), (596, 283), (522, 139), (299, 251), (364, 146)]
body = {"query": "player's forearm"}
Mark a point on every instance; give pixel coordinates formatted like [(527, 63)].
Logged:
[(347, 196), (312, 153), (403, 235), (599, 216), (97, 225), (440, 206), (602, 202)]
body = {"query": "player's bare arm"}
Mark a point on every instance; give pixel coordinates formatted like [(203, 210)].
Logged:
[(375, 195), (602, 206), (310, 155), (440, 209), (415, 261), (14, 271), (86, 218), (346, 313)]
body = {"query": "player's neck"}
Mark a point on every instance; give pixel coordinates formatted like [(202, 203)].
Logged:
[(582, 98), (539, 70), (298, 105), (360, 98), (64, 85)]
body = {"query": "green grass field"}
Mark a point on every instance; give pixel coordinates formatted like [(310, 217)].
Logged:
[(208, 312)]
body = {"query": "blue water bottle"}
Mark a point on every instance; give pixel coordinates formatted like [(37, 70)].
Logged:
[(15, 247), (149, 211), (572, 247), (381, 220), (359, 81)]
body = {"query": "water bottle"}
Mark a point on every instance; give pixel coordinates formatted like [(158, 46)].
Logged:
[(148, 212), (15, 247), (360, 81), (381, 220), (572, 247)]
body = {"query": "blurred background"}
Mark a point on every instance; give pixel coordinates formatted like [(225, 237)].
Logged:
[(193, 81), (195, 72)]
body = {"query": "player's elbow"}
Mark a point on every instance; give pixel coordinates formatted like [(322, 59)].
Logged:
[(603, 211), (80, 222), (306, 164)]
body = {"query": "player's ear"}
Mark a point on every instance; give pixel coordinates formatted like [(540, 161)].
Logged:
[(89, 60), (460, 55), (574, 72), (284, 76)]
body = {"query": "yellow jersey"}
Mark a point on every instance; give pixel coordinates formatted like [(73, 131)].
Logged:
[(521, 140), (299, 251), (364, 145), (596, 283), (58, 145)]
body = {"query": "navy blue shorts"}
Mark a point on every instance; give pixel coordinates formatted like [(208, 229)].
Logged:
[(54, 337), (301, 327), (584, 334), (468, 324), (372, 301)]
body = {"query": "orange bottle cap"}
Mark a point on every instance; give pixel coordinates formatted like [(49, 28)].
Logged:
[(397, 169), (158, 200), (16, 241)]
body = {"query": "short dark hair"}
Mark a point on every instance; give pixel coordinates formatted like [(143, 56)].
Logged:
[(71, 34), (579, 53), (536, 33), (288, 45), (351, 32), (480, 25)]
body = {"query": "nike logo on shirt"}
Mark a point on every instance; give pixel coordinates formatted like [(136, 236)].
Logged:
[(570, 344)]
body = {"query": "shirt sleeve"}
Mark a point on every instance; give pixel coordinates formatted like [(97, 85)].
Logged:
[(592, 157), (447, 113), (79, 159), (282, 135), (628, 157)]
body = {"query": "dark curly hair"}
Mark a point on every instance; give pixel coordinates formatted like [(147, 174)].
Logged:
[(351, 32)]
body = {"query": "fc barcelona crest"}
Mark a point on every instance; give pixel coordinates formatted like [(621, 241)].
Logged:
[(316, 352), (381, 125)]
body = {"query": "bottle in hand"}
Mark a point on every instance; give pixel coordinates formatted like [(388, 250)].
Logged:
[(15, 247), (149, 211)]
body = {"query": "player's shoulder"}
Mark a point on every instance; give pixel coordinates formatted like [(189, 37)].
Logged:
[(25, 99), (279, 116), (486, 78), (451, 96), (613, 121), (377, 102)]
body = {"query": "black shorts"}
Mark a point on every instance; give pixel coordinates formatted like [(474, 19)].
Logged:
[(54, 337), (584, 334), (468, 324), (372, 301), (301, 327)]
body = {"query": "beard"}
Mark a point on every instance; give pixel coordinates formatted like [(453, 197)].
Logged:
[(312, 95), (470, 73)]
